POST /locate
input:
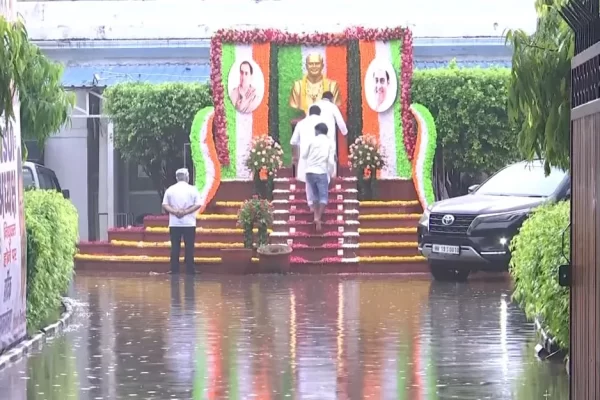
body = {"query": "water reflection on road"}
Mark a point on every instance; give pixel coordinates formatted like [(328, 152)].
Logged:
[(297, 337)]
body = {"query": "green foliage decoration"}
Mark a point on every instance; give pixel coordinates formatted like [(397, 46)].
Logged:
[(354, 92), (152, 124), (289, 67), (198, 156), (537, 252), (540, 85), (429, 153), (274, 92), (403, 164), (52, 233), (227, 61)]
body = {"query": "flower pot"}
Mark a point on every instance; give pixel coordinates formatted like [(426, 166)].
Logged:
[(236, 261), (274, 259)]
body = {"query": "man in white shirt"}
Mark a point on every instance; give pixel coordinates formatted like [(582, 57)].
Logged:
[(319, 156), (304, 133), (332, 116), (181, 201)]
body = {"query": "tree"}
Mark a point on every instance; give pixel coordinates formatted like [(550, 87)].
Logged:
[(24, 69), (152, 124), (539, 86), (45, 105)]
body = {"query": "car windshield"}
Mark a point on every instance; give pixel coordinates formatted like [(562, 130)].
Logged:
[(526, 180)]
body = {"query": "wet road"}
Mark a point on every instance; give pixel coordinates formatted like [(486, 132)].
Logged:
[(321, 337)]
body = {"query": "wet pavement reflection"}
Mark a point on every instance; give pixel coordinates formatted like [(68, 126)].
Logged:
[(294, 337)]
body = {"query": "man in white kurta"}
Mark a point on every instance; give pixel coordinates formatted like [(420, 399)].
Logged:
[(332, 116), (304, 133)]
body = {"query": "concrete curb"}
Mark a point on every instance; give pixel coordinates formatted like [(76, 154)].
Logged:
[(37, 341)]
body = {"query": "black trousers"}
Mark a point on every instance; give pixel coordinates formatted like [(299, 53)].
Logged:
[(189, 238)]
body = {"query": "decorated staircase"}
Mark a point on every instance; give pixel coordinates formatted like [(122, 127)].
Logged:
[(365, 237), (334, 249)]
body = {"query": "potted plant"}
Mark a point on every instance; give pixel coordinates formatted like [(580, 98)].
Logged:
[(254, 213), (366, 160), (274, 258), (264, 160)]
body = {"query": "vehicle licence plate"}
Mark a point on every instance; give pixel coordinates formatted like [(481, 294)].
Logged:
[(443, 249)]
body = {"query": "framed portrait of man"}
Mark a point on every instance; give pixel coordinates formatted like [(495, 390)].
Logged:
[(380, 85), (246, 85)]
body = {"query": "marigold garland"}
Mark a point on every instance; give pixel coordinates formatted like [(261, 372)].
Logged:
[(207, 231), (376, 245), (388, 216), (390, 259), (386, 231), (393, 203)]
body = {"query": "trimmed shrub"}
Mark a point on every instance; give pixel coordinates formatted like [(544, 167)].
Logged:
[(537, 252), (52, 233)]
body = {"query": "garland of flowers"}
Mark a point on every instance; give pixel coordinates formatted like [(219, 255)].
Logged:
[(206, 231), (405, 93), (207, 169), (393, 203), (403, 165), (424, 155), (388, 216), (280, 38), (218, 92), (376, 245), (386, 231), (390, 259)]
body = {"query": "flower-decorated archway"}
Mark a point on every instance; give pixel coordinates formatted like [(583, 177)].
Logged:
[(264, 79)]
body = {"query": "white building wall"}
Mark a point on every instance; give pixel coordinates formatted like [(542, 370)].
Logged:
[(176, 19), (66, 154)]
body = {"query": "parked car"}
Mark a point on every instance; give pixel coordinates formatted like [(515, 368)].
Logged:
[(37, 176), (473, 232)]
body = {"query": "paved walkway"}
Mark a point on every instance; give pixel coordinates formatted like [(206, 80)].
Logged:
[(296, 337)]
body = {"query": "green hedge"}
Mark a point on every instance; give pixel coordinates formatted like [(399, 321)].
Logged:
[(470, 109), (537, 253), (52, 234)]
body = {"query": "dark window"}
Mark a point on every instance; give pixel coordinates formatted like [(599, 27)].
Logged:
[(46, 181), (527, 180), (28, 181)]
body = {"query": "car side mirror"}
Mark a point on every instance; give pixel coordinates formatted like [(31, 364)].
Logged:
[(473, 188), (66, 194)]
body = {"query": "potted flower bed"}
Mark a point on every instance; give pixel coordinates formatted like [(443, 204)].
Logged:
[(264, 160), (366, 160), (274, 258), (253, 213)]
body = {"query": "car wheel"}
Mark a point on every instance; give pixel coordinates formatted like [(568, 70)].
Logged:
[(447, 273)]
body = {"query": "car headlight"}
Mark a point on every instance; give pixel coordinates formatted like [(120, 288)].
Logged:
[(424, 221), (498, 218)]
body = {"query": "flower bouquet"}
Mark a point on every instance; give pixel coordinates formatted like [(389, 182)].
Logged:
[(264, 160), (365, 159)]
